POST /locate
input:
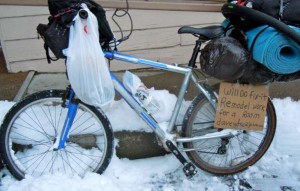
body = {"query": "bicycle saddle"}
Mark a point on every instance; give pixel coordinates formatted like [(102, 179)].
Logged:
[(205, 33)]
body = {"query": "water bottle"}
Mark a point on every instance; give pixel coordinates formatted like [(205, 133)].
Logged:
[(134, 84)]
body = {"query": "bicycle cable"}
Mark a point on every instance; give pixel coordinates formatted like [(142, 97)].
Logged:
[(121, 13)]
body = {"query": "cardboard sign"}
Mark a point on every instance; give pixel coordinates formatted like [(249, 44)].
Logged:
[(241, 106)]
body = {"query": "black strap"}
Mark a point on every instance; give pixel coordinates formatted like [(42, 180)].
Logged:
[(281, 10), (68, 10), (49, 59), (256, 37), (47, 53)]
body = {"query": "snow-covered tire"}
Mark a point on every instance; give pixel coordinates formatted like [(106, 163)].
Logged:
[(235, 154), (31, 127)]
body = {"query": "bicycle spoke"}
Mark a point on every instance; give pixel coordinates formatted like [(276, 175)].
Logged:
[(75, 128), (50, 162), (41, 156), (67, 162), (49, 119), (58, 121), (74, 157), (63, 163), (79, 117), (16, 126), (241, 146), (33, 129), (89, 156), (248, 148), (31, 157), (38, 121), (27, 138), (250, 135), (80, 153)]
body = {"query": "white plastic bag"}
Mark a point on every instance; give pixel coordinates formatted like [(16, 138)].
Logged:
[(134, 84), (86, 66)]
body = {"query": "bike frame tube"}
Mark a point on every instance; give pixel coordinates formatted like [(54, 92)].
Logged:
[(207, 91), (140, 61), (131, 100)]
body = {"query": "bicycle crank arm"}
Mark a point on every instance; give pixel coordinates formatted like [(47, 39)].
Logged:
[(228, 133), (189, 168)]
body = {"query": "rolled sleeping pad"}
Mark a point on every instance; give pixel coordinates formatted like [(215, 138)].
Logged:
[(275, 50)]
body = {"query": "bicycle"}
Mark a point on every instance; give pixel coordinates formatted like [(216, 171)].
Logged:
[(53, 131)]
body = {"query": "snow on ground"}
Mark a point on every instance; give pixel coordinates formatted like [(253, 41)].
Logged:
[(279, 169)]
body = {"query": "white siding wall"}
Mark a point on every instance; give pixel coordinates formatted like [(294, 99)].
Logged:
[(155, 37)]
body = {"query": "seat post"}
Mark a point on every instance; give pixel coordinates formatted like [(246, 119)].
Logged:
[(192, 62)]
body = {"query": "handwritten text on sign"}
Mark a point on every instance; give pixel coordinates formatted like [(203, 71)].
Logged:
[(241, 106)]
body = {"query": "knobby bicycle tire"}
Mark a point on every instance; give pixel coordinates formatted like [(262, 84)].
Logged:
[(224, 156), (32, 126)]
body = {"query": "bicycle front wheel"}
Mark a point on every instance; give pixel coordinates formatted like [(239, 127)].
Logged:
[(224, 155), (33, 125)]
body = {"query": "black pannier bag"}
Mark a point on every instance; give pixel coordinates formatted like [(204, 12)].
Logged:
[(224, 58), (227, 59), (56, 32), (56, 37)]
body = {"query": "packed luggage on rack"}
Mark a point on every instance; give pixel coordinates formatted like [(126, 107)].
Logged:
[(261, 44)]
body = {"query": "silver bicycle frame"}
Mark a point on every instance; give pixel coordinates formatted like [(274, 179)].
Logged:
[(142, 112)]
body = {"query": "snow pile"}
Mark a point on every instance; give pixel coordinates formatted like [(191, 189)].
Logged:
[(122, 117), (4, 107)]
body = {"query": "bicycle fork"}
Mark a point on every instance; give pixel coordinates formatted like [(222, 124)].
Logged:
[(60, 141)]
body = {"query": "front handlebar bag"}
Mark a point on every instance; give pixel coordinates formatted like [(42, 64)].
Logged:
[(57, 7)]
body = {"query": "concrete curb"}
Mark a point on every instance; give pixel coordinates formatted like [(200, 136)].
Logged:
[(22, 91), (136, 145)]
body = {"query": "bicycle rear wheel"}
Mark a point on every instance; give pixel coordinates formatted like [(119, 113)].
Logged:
[(32, 126), (224, 155)]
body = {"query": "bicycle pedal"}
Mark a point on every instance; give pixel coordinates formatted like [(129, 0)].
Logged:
[(189, 170)]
